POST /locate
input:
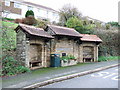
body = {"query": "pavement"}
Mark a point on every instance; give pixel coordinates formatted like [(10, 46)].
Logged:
[(46, 75)]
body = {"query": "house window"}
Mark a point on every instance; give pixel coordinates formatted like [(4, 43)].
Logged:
[(30, 8), (7, 3), (38, 9), (16, 5)]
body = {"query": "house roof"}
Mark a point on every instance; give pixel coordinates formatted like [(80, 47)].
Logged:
[(33, 4), (37, 5), (33, 30), (59, 30), (91, 38)]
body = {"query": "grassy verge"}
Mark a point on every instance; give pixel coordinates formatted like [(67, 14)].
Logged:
[(103, 58), (48, 69)]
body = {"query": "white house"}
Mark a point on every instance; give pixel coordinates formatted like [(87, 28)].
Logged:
[(17, 9)]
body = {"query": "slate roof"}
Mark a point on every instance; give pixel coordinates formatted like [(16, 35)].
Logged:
[(33, 30), (91, 38), (59, 30)]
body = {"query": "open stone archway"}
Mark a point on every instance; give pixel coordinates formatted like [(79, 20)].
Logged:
[(88, 53), (35, 55)]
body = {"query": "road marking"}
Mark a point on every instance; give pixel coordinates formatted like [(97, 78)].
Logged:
[(100, 74), (115, 78), (110, 75), (117, 69)]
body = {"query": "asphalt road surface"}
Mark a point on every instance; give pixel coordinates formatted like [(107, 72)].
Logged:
[(104, 79)]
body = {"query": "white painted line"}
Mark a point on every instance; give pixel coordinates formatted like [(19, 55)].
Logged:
[(100, 74), (115, 78), (110, 75)]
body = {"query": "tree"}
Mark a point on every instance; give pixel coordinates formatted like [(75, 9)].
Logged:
[(77, 24), (29, 18), (29, 13), (74, 22), (107, 26), (114, 24), (67, 12)]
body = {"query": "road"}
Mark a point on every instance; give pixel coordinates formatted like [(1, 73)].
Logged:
[(104, 79)]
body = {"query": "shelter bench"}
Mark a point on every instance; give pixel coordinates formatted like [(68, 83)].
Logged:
[(35, 62), (85, 59)]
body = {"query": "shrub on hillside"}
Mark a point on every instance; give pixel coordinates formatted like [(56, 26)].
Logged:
[(30, 20), (42, 23), (18, 20), (110, 44), (10, 66)]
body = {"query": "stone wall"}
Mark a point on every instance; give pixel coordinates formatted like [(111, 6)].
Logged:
[(21, 47), (64, 45), (71, 47)]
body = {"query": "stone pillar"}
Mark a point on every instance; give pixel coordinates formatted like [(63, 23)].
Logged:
[(27, 54), (81, 53), (97, 52), (94, 53), (45, 55), (42, 58), (48, 54)]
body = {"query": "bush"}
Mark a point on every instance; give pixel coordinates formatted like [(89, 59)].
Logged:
[(110, 45), (103, 58), (29, 13), (18, 20), (10, 66), (68, 57), (42, 23), (30, 20)]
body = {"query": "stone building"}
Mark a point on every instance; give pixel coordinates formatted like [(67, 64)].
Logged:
[(88, 49), (65, 40), (34, 45)]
